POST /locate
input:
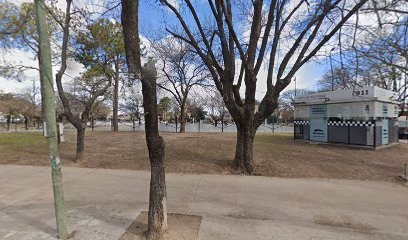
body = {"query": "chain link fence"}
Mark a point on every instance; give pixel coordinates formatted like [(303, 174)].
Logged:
[(163, 127), (190, 127)]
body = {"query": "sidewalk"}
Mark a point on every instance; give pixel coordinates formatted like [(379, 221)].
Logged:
[(103, 203)]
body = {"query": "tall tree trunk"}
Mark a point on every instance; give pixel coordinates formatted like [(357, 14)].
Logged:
[(243, 160), (248, 150), (157, 220), (157, 216), (182, 118), (8, 121), (92, 122), (80, 143), (26, 122), (116, 99), (246, 130), (239, 159)]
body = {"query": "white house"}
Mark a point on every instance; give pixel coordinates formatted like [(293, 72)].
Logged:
[(359, 116)]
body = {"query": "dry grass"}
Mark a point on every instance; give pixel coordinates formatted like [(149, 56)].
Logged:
[(275, 155)]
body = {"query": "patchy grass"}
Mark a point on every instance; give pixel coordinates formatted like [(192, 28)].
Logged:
[(25, 148), (212, 153), (17, 139)]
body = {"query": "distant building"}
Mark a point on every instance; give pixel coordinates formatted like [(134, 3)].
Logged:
[(3, 117), (360, 116)]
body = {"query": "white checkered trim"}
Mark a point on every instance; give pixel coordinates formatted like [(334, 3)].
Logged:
[(301, 122), (350, 123)]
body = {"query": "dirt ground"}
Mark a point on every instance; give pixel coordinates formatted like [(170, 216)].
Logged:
[(180, 227), (274, 155)]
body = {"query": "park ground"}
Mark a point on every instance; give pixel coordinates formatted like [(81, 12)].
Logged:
[(275, 155), (101, 204), (307, 191)]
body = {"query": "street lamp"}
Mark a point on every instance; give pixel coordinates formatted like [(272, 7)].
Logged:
[(331, 67), (295, 85)]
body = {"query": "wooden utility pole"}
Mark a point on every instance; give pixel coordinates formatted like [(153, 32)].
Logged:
[(50, 119)]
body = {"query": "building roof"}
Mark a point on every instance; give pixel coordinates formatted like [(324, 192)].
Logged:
[(358, 94)]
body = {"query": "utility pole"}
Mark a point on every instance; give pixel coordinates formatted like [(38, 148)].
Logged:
[(50, 119), (331, 67)]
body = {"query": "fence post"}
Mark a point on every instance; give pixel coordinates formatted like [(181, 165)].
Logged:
[(176, 123)]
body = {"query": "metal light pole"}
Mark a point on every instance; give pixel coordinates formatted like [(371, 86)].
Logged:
[(295, 85), (51, 123), (331, 67)]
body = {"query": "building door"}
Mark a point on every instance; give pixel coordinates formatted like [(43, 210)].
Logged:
[(385, 130), (318, 123)]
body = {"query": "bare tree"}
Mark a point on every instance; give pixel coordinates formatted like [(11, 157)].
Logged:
[(79, 104), (132, 106), (182, 72), (285, 110), (285, 33), (97, 75), (31, 94), (16, 106), (157, 216), (287, 98), (215, 106), (375, 53), (384, 58), (339, 78)]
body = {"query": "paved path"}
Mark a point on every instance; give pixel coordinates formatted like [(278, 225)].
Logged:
[(102, 204)]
